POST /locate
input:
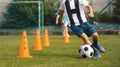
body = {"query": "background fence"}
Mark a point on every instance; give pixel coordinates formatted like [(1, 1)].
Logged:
[(107, 18)]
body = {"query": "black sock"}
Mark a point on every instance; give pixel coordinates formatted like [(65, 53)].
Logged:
[(93, 48), (95, 42)]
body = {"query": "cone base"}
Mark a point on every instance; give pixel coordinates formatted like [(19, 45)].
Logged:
[(66, 40), (37, 49), (46, 45), (24, 57)]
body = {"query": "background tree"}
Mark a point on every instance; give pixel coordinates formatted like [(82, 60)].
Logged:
[(20, 15), (26, 15), (50, 8), (116, 11)]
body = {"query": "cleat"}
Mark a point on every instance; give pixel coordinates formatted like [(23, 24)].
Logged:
[(100, 48), (96, 54)]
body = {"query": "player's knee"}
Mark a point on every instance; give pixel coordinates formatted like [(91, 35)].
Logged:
[(95, 35), (85, 39)]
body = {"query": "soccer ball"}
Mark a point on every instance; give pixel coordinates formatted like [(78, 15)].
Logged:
[(86, 51)]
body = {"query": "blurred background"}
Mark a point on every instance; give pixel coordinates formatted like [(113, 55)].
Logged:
[(19, 15)]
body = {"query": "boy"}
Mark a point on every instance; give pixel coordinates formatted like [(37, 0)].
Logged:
[(64, 26), (78, 22)]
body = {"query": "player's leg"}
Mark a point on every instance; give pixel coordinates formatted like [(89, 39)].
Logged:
[(65, 31), (85, 39), (65, 27), (96, 44), (89, 30), (62, 30), (80, 33)]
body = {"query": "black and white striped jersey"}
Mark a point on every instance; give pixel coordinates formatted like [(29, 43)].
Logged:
[(75, 11)]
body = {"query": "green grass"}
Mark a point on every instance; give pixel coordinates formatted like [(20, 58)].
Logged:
[(58, 54)]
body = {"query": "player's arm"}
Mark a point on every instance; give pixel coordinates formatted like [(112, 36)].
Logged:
[(61, 16), (89, 7), (57, 18)]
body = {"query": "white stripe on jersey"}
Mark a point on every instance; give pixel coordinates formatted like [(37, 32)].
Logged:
[(74, 15), (75, 18), (71, 4)]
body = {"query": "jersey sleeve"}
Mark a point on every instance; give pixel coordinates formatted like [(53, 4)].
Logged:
[(84, 2), (61, 6)]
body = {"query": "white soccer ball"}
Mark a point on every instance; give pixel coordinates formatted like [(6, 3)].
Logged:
[(86, 51)]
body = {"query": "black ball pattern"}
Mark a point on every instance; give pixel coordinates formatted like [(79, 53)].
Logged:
[(84, 56), (91, 54), (86, 48), (79, 50)]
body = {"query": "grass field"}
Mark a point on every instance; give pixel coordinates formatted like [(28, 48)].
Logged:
[(58, 54)]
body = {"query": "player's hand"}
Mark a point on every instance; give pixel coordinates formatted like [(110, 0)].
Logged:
[(91, 15), (56, 22)]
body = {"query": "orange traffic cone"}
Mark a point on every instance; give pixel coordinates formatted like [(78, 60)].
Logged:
[(24, 51), (37, 45), (66, 38), (45, 39)]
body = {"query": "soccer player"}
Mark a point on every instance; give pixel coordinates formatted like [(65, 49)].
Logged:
[(64, 24), (79, 24)]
